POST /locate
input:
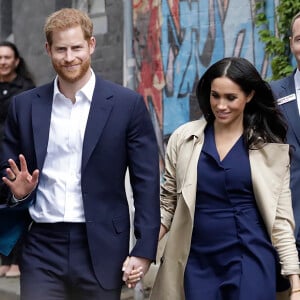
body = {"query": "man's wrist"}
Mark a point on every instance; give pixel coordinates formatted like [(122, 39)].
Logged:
[(14, 200)]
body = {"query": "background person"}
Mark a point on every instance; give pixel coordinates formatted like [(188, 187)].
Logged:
[(68, 145), (287, 94), (225, 198), (14, 79)]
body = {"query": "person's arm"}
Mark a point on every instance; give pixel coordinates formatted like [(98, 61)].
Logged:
[(295, 286), (133, 274), (168, 194), (163, 230), (144, 174), (283, 237), (17, 182)]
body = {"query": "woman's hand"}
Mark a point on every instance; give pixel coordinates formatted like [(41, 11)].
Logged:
[(295, 287), (295, 295), (134, 277), (134, 268)]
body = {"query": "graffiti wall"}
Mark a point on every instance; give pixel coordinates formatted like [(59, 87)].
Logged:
[(176, 40)]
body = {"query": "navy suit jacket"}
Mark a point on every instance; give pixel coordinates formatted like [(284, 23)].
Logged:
[(285, 94), (119, 135)]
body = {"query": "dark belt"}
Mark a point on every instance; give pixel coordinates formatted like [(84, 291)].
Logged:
[(60, 226)]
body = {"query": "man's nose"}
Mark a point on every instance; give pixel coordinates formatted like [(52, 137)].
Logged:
[(69, 55)]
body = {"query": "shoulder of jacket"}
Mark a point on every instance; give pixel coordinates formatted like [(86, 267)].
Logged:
[(282, 81), (273, 154), (185, 134), (192, 128)]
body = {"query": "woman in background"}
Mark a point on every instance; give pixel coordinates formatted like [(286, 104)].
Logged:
[(14, 79)]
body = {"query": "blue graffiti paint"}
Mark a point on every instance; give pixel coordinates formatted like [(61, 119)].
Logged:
[(208, 32)]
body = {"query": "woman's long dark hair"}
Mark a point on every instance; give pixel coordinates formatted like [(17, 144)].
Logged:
[(263, 121), (22, 68)]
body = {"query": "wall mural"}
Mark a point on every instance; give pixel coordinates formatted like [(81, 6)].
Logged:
[(174, 41)]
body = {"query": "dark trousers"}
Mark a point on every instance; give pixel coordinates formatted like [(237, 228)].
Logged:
[(56, 265)]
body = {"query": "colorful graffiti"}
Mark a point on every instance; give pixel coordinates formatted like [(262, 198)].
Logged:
[(175, 41)]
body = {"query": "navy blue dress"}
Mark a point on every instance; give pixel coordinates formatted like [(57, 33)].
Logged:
[(231, 256)]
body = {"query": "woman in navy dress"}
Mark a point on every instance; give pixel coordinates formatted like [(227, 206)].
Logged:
[(221, 262), (225, 199)]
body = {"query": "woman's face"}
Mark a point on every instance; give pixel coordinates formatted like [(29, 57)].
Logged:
[(228, 102), (8, 63)]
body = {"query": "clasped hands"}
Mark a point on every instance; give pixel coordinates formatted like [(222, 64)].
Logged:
[(295, 295), (19, 180), (134, 268)]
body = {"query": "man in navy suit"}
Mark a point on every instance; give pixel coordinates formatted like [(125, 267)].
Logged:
[(66, 150), (287, 94)]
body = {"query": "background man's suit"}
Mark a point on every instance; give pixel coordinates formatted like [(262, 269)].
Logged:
[(119, 134), (285, 94)]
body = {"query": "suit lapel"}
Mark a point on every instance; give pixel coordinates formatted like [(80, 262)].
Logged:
[(41, 115), (292, 113), (101, 106), (290, 109)]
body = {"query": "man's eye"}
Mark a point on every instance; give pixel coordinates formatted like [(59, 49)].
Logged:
[(77, 48)]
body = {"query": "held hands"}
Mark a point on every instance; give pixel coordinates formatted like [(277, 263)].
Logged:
[(20, 181), (295, 294), (134, 268), (295, 287)]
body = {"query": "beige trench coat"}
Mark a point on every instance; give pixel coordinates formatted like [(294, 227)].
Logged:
[(270, 180)]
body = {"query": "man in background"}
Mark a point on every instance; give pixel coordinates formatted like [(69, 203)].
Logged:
[(287, 94)]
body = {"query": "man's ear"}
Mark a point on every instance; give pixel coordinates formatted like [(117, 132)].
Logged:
[(92, 44), (48, 48)]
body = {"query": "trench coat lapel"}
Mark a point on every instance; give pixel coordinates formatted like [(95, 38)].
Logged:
[(192, 150)]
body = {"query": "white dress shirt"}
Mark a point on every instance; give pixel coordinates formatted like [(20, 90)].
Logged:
[(59, 197), (297, 87)]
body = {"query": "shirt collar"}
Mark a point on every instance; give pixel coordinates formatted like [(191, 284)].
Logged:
[(87, 89)]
